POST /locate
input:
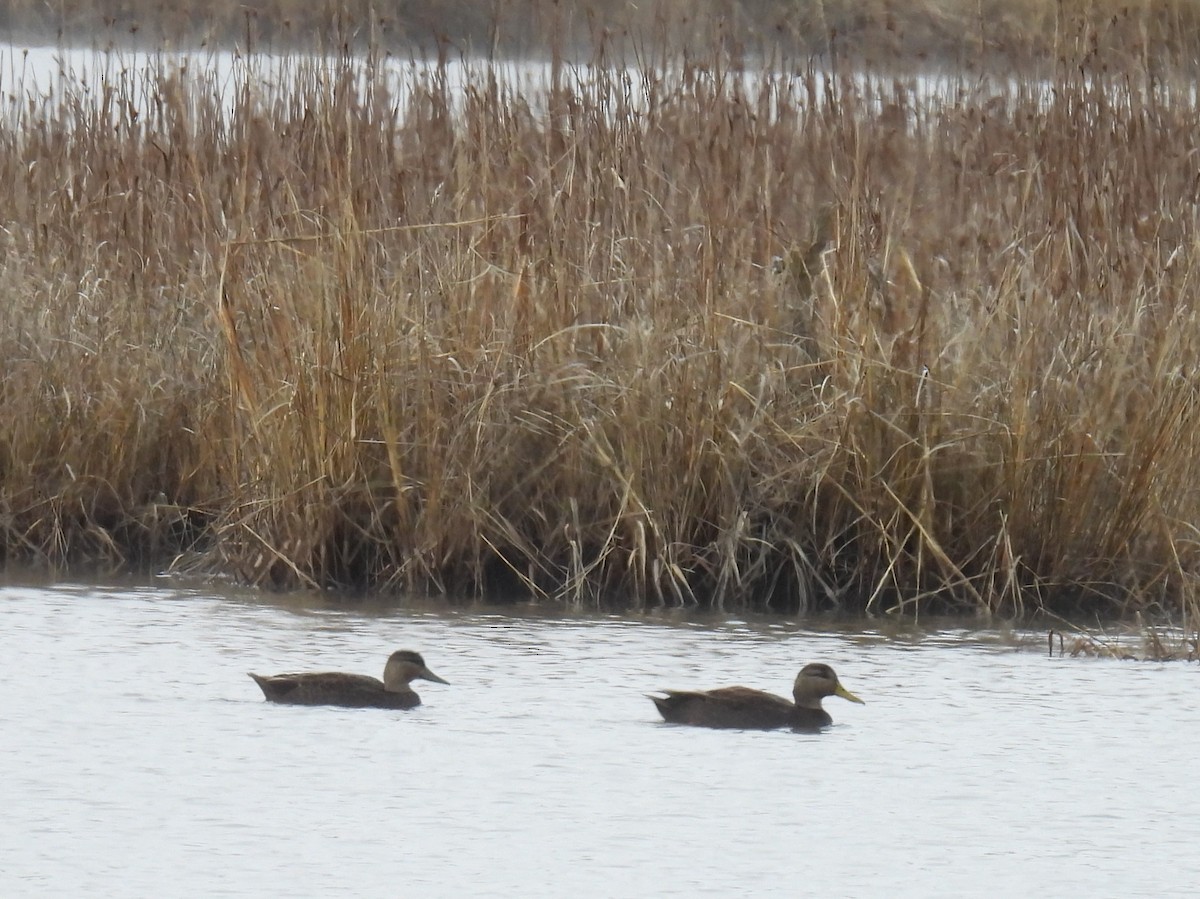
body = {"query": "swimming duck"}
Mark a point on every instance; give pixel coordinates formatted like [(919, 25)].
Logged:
[(353, 690), (741, 707)]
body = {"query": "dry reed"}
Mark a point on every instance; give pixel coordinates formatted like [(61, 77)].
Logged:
[(323, 329)]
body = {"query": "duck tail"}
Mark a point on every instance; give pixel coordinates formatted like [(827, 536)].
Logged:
[(261, 681), (663, 704)]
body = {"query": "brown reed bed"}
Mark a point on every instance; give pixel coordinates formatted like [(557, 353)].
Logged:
[(318, 329)]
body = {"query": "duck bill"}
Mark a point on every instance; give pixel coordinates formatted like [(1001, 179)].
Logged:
[(846, 694), (426, 674)]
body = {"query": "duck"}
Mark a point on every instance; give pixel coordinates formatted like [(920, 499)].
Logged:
[(353, 690), (746, 709)]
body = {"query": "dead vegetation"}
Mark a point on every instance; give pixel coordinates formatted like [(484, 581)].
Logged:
[(327, 327), (1142, 642)]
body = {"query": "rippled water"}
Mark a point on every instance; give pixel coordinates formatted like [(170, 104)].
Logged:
[(140, 760)]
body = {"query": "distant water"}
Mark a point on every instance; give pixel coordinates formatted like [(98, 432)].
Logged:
[(139, 760), (30, 74), (34, 79)]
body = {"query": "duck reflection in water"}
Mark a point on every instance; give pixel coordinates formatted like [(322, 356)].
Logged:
[(353, 690), (743, 708)]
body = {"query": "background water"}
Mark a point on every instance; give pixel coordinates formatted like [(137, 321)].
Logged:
[(138, 758), (31, 74)]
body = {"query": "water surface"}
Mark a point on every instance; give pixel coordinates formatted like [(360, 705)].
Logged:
[(140, 760)]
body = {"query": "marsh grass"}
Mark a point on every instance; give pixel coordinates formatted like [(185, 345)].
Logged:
[(317, 327)]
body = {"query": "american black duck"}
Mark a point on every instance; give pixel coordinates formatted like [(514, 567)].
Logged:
[(353, 690), (743, 708)]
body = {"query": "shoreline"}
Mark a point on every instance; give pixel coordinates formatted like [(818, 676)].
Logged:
[(1029, 36)]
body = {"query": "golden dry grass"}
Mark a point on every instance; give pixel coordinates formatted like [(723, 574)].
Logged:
[(315, 329)]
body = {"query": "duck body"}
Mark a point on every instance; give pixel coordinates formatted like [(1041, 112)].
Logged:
[(737, 708), (355, 691), (742, 708)]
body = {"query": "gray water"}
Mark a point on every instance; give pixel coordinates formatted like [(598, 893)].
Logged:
[(139, 760), (32, 75)]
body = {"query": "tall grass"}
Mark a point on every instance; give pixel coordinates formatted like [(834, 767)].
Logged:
[(324, 329)]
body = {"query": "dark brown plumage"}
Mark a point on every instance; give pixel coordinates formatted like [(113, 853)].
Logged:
[(352, 690), (746, 709)]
